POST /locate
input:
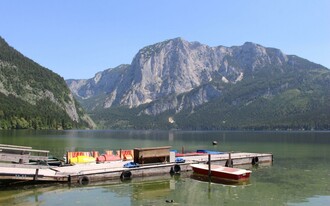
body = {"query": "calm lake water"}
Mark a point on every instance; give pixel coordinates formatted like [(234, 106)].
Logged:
[(299, 175)]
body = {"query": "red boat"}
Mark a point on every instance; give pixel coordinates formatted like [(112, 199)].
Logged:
[(107, 158), (228, 173)]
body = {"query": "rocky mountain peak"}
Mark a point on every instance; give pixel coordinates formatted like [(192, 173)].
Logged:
[(253, 49), (252, 56), (176, 43), (175, 67), (181, 84)]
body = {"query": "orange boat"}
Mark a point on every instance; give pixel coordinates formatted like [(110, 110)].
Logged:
[(107, 158)]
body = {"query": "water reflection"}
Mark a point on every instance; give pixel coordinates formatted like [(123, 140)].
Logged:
[(299, 175), (170, 136), (266, 187)]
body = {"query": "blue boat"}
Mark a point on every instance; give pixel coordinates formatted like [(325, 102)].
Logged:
[(209, 151), (131, 165), (179, 160)]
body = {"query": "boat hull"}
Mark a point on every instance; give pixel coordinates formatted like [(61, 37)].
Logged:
[(218, 171), (82, 160)]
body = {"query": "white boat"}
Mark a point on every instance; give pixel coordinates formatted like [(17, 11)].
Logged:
[(234, 174)]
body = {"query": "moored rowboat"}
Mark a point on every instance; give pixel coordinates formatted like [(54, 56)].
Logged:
[(234, 174)]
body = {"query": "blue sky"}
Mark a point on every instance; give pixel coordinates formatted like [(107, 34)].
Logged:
[(79, 38)]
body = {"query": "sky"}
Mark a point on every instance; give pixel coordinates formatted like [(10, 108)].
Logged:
[(78, 38)]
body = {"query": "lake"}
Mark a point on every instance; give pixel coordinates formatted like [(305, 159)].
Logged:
[(299, 175)]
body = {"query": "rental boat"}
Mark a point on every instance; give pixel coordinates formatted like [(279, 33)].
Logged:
[(82, 160), (107, 158), (218, 171)]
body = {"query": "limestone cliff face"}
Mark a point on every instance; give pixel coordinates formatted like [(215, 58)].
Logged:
[(179, 71), (172, 67)]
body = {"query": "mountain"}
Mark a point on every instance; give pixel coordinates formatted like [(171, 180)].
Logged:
[(32, 96), (188, 85)]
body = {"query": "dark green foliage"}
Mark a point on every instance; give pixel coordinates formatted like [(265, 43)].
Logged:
[(296, 100), (26, 72), (17, 114), (126, 118)]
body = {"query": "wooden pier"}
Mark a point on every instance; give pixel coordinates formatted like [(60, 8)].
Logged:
[(21, 154), (93, 172)]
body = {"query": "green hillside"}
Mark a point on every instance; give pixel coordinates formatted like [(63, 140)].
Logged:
[(32, 96), (268, 104)]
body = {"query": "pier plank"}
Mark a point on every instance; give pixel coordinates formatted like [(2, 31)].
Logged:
[(23, 150), (15, 146)]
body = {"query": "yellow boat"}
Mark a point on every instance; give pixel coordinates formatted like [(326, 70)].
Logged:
[(82, 160)]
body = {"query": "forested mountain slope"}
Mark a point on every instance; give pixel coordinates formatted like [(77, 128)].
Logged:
[(32, 96)]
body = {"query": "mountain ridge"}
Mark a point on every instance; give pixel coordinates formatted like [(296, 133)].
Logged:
[(173, 77)]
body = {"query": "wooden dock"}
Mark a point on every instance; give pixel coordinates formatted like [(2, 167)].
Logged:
[(21, 154), (93, 172)]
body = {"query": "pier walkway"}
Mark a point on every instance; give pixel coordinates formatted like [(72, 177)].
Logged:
[(91, 172)]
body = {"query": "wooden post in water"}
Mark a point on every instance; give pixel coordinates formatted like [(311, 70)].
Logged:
[(209, 163), (182, 150), (36, 175), (229, 161)]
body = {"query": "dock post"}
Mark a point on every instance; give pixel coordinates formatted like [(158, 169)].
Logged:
[(36, 175), (182, 150), (209, 163), (229, 161)]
